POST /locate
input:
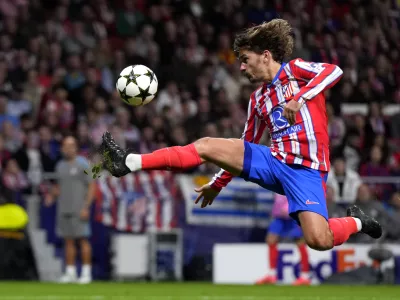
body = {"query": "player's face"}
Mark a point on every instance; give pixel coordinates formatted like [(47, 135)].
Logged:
[(253, 65), (69, 147)]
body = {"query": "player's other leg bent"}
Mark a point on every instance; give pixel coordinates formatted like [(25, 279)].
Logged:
[(305, 190)]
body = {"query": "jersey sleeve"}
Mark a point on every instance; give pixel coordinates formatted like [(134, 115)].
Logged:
[(253, 131), (320, 77)]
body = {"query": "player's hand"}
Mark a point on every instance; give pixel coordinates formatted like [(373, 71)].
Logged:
[(48, 200), (84, 214), (207, 193), (290, 110)]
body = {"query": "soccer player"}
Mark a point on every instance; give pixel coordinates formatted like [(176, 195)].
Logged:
[(283, 226), (291, 103)]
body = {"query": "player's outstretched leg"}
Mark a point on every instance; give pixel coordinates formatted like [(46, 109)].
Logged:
[(225, 153)]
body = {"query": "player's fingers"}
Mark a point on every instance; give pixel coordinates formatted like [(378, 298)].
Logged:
[(198, 198), (291, 118), (205, 202), (285, 114)]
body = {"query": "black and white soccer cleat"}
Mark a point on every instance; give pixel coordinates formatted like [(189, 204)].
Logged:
[(370, 226), (113, 156)]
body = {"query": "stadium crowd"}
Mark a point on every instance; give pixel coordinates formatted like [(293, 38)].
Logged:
[(59, 61)]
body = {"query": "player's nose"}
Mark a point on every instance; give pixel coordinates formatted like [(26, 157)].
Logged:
[(242, 67)]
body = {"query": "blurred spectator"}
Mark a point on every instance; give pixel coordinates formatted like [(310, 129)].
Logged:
[(78, 40), (376, 166), (12, 177), (376, 124), (5, 155), (17, 106), (336, 127), (394, 205), (57, 104), (395, 126), (128, 19), (350, 149), (48, 143), (130, 132), (334, 210), (192, 52), (170, 97), (32, 91), (75, 77), (12, 136), (375, 209), (344, 181), (32, 160), (145, 41), (4, 115), (224, 51)]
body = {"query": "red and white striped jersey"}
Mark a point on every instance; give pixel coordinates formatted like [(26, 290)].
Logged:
[(306, 142)]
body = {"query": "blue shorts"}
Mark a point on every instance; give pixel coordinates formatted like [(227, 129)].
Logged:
[(285, 228), (304, 187)]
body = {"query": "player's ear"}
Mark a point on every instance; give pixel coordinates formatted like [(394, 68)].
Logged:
[(266, 55)]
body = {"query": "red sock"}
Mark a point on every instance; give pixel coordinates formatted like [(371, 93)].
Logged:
[(305, 267), (273, 256), (172, 158), (342, 228)]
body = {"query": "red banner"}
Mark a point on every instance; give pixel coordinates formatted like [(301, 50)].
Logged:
[(138, 202)]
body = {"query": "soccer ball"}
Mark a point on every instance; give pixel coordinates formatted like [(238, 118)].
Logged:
[(137, 85)]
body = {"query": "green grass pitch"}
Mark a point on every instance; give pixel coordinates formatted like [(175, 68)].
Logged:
[(190, 291)]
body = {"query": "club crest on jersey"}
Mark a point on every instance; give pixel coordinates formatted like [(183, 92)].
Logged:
[(287, 90)]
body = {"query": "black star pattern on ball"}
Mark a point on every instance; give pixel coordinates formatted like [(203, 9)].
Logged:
[(151, 75), (144, 93), (131, 78), (123, 95)]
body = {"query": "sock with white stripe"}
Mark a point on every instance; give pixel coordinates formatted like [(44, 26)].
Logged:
[(134, 162)]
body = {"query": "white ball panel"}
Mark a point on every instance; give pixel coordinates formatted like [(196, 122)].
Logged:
[(126, 71), (135, 101), (121, 83), (140, 69), (143, 81), (153, 86), (132, 90), (148, 99)]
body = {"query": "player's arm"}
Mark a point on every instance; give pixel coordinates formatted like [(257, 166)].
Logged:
[(53, 193), (253, 131), (320, 77)]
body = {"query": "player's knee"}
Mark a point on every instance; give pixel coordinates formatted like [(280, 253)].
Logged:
[(320, 242), (203, 147)]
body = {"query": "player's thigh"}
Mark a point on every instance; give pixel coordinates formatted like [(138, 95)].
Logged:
[(316, 231), (225, 153), (258, 167), (304, 189)]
